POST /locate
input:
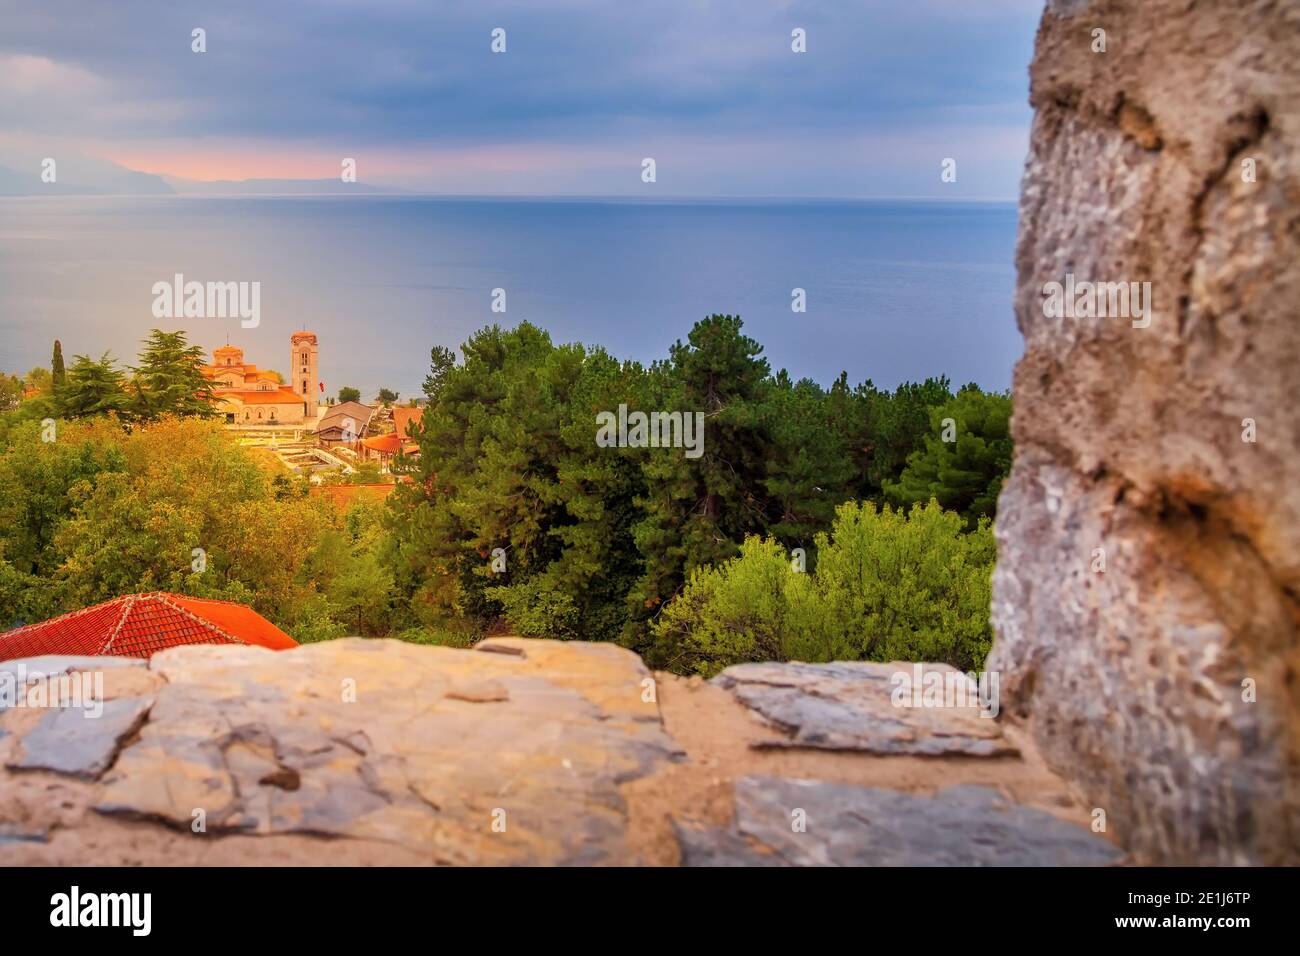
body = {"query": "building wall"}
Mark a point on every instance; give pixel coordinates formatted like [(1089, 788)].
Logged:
[(252, 413), (303, 369)]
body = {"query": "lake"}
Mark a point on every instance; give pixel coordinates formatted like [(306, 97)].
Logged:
[(895, 290)]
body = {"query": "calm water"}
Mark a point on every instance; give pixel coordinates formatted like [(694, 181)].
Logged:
[(895, 290)]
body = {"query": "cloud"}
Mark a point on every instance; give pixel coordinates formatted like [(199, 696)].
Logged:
[(582, 82)]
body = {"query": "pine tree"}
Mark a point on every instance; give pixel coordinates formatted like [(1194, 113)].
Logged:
[(895, 426), (169, 379), (92, 388), (698, 510), (966, 458), (810, 469)]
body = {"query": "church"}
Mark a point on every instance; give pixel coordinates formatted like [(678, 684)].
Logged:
[(248, 395)]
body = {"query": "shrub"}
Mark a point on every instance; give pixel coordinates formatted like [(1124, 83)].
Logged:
[(887, 586), (439, 636), (536, 609)]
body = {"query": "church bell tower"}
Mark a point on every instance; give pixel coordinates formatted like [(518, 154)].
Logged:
[(304, 372)]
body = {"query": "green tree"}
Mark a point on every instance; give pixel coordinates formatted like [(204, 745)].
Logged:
[(40, 379), (102, 512), (387, 396), (966, 458), (810, 467), (37, 479), (698, 509), (169, 379), (895, 425), (887, 586), (508, 461), (92, 388), (58, 375), (349, 394), (441, 361)]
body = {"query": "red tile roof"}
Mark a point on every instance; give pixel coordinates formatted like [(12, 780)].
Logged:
[(384, 444), (405, 417), (138, 625)]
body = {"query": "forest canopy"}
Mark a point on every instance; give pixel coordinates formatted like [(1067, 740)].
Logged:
[(849, 520)]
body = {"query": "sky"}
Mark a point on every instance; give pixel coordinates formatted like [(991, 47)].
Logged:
[(585, 90)]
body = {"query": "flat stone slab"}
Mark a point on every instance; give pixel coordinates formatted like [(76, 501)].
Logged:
[(847, 825), (16, 675), (385, 741), (81, 741), (851, 706)]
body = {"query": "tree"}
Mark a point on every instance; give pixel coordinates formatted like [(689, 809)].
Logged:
[(387, 396), (57, 374), (508, 461), (441, 361), (966, 458), (93, 388), (37, 479), (40, 380), (349, 394), (104, 512), (697, 510), (169, 379), (11, 392), (887, 587), (810, 468), (894, 426)]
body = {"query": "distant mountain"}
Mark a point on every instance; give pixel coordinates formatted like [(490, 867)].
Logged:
[(80, 175), (273, 187), (75, 175)]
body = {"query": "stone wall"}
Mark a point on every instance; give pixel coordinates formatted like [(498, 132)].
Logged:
[(1164, 686), (520, 751)]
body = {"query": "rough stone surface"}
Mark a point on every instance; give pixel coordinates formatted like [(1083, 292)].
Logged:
[(16, 676), (81, 740), (379, 752), (850, 706), (352, 738), (479, 692), (1129, 442), (782, 822)]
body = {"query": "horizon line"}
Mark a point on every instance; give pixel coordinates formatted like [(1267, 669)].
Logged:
[(397, 193)]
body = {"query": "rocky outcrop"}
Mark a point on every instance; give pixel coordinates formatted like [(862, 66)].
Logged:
[(810, 823), (1147, 590), (851, 706), (518, 752)]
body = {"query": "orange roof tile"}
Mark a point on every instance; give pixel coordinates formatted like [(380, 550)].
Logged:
[(384, 444), (138, 625), (404, 418)]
